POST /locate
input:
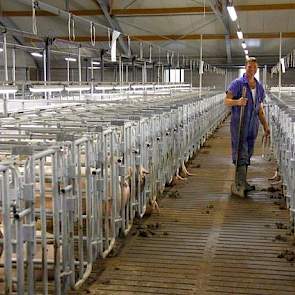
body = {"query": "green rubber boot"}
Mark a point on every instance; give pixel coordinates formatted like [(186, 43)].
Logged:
[(239, 186)]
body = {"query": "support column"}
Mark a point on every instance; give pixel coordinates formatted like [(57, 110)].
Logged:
[(5, 96), (102, 66)]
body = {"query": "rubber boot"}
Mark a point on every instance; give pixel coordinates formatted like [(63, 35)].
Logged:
[(249, 187), (239, 186)]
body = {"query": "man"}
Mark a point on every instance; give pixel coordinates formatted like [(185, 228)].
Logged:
[(253, 113)]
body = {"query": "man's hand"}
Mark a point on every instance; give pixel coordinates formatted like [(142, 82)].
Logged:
[(242, 102), (266, 135), (266, 131)]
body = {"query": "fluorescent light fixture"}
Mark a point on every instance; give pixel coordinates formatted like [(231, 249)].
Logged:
[(96, 63), (77, 88), (240, 34), (121, 87), (247, 56), (94, 68), (103, 88), (1, 49), (232, 13), (46, 88), (244, 45), (283, 65), (5, 89), (246, 51), (70, 59), (36, 54), (142, 86)]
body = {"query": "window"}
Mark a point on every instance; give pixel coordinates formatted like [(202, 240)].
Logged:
[(176, 75)]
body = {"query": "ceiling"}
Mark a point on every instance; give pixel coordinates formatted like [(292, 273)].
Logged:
[(171, 24)]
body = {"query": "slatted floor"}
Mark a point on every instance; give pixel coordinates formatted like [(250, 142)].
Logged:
[(204, 241)]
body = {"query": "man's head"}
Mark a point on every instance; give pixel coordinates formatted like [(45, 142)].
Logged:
[(251, 66)]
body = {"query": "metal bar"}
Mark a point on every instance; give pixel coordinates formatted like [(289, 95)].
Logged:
[(5, 96)]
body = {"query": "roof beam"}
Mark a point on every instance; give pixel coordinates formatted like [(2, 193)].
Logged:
[(154, 11), (183, 38), (104, 6), (7, 22), (219, 12)]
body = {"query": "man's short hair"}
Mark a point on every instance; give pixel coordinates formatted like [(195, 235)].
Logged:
[(250, 59)]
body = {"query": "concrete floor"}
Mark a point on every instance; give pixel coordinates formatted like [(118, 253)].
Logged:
[(204, 241)]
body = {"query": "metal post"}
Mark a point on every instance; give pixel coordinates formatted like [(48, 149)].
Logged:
[(79, 69), (280, 67), (92, 78), (68, 71), (201, 67), (120, 72), (45, 71), (47, 55), (5, 96), (13, 68), (7, 233), (127, 73), (101, 66), (86, 69), (133, 70), (191, 71)]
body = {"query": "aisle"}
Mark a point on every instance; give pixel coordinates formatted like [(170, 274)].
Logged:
[(204, 241)]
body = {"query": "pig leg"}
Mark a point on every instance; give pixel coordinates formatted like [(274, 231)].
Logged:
[(185, 170)]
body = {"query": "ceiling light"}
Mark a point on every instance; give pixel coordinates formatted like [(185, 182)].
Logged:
[(94, 68), (5, 89), (70, 59), (244, 45), (104, 87), (1, 49), (46, 88), (77, 88), (36, 54), (247, 56), (121, 87), (240, 34), (232, 13), (246, 51)]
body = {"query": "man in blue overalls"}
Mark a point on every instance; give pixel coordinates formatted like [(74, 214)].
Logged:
[(252, 102)]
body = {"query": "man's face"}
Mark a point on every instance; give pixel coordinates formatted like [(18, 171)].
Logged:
[(251, 68)]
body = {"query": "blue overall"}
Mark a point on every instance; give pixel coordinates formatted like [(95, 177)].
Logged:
[(251, 123)]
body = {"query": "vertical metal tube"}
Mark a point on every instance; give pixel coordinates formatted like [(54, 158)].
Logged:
[(20, 258), (280, 67), (30, 219), (48, 60), (7, 235), (133, 70), (68, 71), (102, 66), (43, 224), (127, 73), (79, 69), (92, 78), (191, 72), (56, 224), (13, 68), (5, 96), (120, 72), (201, 67)]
